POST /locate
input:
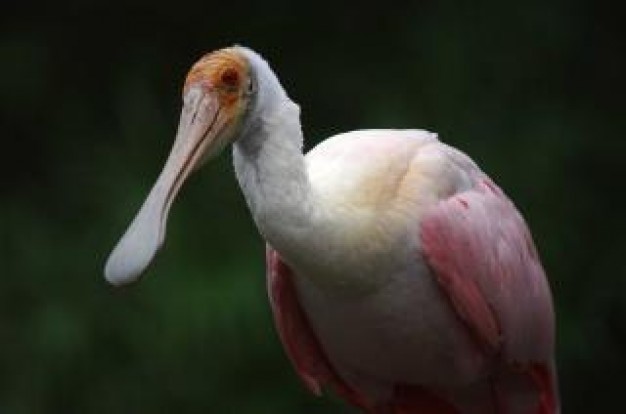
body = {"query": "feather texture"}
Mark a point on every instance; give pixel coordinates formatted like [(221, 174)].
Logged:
[(399, 275), (478, 252)]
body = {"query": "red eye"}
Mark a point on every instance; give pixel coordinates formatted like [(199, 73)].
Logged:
[(230, 77)]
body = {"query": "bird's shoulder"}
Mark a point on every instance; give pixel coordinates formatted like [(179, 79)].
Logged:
[(377, 168), (366, 141)]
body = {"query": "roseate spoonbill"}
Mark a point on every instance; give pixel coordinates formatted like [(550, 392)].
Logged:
[(399, 275)]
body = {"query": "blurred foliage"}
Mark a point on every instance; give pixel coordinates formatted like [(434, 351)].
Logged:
[(89, 101)]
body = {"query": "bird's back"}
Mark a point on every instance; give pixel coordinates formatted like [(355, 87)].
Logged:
[(364, 169), (375, 170)]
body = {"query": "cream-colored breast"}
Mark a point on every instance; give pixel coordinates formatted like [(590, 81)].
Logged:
[(372, 303), (363, 169), (383, 171), (370, 190)]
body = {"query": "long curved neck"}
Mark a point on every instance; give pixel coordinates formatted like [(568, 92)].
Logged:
[(270, 167), (310, 234)]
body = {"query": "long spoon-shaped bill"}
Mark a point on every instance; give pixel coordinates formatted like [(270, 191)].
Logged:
[(200, 135)]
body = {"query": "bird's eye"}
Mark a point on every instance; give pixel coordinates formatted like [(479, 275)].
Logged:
[(230, 78)]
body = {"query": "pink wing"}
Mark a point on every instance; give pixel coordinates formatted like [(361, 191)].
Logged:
[(298, 338), (482, 255)]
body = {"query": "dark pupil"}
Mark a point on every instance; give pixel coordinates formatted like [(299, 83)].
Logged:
[(230, 77)]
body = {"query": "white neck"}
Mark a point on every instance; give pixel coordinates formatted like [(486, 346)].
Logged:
[(311, 235), (271, 171)]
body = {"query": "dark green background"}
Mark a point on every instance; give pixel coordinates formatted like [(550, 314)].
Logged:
[(89, 104)]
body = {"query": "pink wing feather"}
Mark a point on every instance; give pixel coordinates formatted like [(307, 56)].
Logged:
[(482, 255), (298, 338)]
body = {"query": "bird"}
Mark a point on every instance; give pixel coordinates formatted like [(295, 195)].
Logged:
[(400, 276)]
